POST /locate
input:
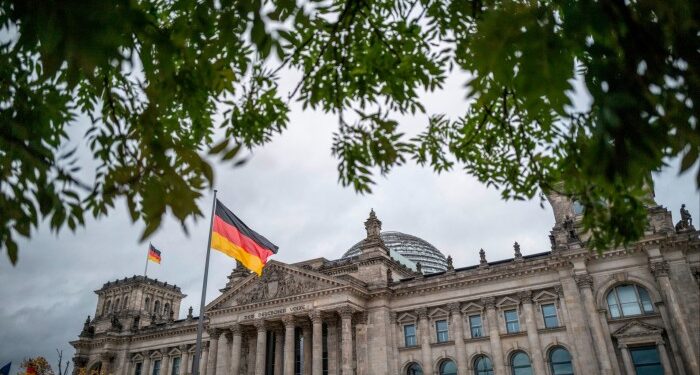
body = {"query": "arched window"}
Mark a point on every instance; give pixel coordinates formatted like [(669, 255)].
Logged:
[(483, 366), (166, 309), (414, 369), (148, 304), (560, 361), (109, 306), (125, 303), (116, 305), (156, 307), (448, 367), (629, 300), (520, 364)]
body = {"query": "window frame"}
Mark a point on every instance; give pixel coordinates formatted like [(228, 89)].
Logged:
[(555, 315), (552, 363), (480, 327), (156, 366), (655, 347), (445, 362), (514, 368), (138, 368), (507, 322), (618, 304), (446, 331), (405, 336), (475, 364), (410, 366)]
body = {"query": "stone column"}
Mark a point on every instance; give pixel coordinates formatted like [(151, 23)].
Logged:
[(213, 350), (204, 358), (672, 339), (332, 340), (494, 335), (576, 326), (394, 352), (235, 349), (306, 353), (185, 361), (533, 336), (678, 318), (663, 355), (279, 344), (317, 344), (165, 370), (146, 363), (261, 346), (346, 339), (603, 317), (627, 359), (457, 329), (222, 361), (425, 349), (288, 321), (585, 284)]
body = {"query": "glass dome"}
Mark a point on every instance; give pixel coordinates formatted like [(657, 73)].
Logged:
[(409, 247)]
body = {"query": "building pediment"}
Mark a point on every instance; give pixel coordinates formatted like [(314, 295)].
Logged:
[(637, 328), (278, 281)]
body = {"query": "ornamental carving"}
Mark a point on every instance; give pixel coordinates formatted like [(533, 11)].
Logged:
[(260, 325), (659, 268), (422, 313), (489, 302), (214, 333), (525, 296), (453, 307), (235, 329), (346, 312), (288, 320), (315, 316), (275, 283), (584, 281)]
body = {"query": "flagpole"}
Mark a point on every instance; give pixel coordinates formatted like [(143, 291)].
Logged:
[(200, 320), (145, 271)]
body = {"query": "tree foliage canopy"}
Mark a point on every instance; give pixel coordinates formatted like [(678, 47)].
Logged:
[(155, 76)]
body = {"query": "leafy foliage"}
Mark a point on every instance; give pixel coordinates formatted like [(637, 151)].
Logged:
[(40, 364), (155, 78)]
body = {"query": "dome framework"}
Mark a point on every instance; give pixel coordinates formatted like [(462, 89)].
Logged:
[(411, 247)]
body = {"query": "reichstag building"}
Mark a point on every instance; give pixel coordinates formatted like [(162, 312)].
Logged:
[(394, 304)]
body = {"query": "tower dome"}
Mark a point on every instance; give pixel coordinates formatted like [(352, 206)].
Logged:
[(408, 247)]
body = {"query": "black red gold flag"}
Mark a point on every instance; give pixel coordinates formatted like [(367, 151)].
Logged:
[(232, 237)]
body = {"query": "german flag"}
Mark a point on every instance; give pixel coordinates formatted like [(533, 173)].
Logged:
[(233, 238), (153, 254)]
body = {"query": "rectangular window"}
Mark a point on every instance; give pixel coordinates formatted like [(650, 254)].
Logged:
[(441, 330), (646, 360), (409, 335), (475, 326), (156, 367), (512, 324), (175, 369), (549, 313), (139, 366)]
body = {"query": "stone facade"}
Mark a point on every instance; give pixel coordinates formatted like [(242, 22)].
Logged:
[(568, 310)]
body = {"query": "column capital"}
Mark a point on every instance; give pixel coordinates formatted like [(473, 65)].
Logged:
[(260, 325), (235, 328), (288, 320), (346, 312), (559, 291), (422, 313), (183, 348), (392, 317), (659, 268), (360, 317), (315, 316), (214, 333), (525, 296), (584, 281), (489, 302), (454, 308)]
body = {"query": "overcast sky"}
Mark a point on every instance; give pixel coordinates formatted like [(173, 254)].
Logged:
[(289, 193)]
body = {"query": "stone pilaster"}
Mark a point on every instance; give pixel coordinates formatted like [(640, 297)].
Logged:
[(289, 326), (533, 336), (332, 347), (317, 345), (222, 362), (185, 368), (426, 350), (346, 339), (236, 341), (393, 332), (306, 338), (458, 336), (678, 318), (204, 360), (146, 363), (261, 347), (213, 350), (585, 285), (576, 326), (279, 357), (499, 365)]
